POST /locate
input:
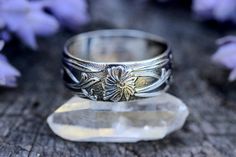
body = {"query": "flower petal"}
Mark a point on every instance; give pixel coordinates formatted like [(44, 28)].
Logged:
[(110, 80), (131, 80), (14, 21), (221, 10), (127, 94), (117, 96), (110, 88), (116, 72), (226, 55), (13, 13), (107, 95), (42, 24), (130, 90), (26, 34), (14, 6), (71, 13), (224, 10), (27, 19), (8, 73), (226, 40), (203, 8)]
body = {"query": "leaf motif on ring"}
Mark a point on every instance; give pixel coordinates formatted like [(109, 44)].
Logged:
[(90, 94), (86, 82), (83, 83), (147, 90), (118, 83)]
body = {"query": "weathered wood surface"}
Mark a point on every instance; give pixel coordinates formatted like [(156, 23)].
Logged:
[(210, 129)]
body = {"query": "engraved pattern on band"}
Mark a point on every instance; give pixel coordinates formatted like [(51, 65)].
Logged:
[(119, 81)]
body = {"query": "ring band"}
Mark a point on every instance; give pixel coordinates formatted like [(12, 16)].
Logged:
[(116, 65)]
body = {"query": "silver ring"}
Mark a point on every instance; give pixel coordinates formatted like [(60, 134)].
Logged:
[(117, 65)]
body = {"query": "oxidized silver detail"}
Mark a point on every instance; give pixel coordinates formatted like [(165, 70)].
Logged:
[(116, 81), (82, 84), (119, 82)]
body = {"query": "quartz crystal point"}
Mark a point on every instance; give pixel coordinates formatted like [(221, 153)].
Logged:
[(96, 121)]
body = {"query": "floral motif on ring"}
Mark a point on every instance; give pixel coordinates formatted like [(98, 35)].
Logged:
[(118, 83)]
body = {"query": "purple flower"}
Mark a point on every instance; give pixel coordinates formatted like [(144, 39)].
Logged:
[(221, 10), (226, 54), (26, 19), (8, 74), (71, 13)]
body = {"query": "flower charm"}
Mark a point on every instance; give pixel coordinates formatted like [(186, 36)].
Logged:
[(118, 83)]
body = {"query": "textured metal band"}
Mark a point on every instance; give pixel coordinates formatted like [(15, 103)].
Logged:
[(116, 81)]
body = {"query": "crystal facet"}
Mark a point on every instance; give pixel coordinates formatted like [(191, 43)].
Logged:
[(96, 121)]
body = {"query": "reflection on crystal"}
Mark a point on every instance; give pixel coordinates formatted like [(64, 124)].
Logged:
[(147, 119)]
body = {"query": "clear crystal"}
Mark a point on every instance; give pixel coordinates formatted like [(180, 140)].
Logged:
[(147, 119)]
